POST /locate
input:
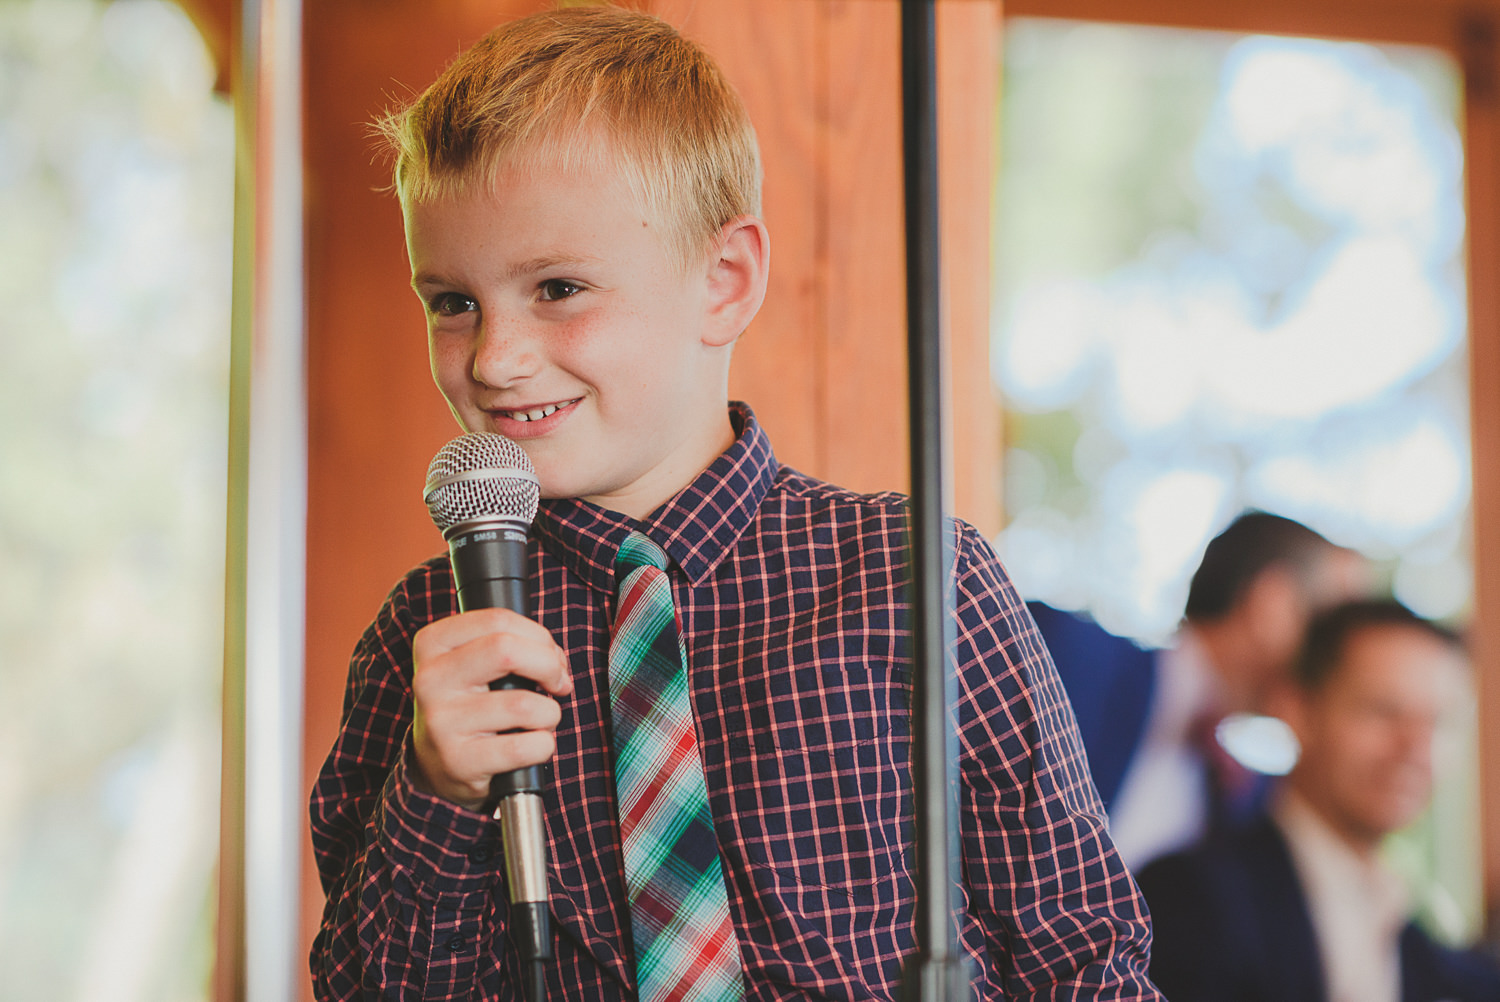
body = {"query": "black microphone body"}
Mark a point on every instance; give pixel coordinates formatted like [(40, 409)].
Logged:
[(489, 572), (473, 498), (488, 557)]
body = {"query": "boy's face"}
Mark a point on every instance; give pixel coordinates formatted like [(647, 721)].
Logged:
[(558, 317)]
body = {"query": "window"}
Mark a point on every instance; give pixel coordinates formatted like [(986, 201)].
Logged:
[(1231, 274), (116, 173)]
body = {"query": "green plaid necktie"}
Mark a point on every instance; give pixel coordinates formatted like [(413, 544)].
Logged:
[(685, 947)]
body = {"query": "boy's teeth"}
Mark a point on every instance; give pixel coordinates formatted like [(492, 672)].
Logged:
[(535, 415)]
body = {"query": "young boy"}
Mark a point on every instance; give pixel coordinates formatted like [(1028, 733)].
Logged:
[(581, 195)]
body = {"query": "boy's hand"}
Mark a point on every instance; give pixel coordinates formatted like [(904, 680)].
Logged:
[(461, 727)]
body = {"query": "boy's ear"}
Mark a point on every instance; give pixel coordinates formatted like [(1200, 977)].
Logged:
[(737, 273)]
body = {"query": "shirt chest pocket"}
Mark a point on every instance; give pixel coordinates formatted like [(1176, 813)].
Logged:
[(819, 784)]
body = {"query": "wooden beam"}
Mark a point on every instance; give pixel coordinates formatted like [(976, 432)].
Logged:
[(1407, 22), (1480, 55)]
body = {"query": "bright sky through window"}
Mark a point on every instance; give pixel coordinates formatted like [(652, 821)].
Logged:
[(1286, 333)]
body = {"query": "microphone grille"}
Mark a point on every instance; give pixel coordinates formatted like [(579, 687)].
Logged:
[(480, 475)]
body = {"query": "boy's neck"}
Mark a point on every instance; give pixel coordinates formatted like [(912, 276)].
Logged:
[(664, 483)]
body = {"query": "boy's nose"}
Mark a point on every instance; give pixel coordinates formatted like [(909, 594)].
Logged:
[(505, 353)]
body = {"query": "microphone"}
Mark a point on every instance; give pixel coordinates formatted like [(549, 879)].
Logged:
[(482, 494)]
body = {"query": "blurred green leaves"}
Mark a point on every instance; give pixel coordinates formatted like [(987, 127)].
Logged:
[(116, 170)]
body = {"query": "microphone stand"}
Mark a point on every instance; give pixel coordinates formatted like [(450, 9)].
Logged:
[(937, 972)]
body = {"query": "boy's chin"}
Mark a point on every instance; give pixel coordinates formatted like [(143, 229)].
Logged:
[(558, 489)]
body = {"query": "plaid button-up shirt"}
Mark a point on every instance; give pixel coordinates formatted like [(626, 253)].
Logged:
[(792, 600)]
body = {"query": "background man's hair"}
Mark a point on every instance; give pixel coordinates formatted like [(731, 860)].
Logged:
[(1253, 542), (587, 87), (1329, 633)]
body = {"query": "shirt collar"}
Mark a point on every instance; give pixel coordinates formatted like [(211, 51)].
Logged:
[(698, 527), (1333, 870)]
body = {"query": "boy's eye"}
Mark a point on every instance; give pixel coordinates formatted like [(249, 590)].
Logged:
[(559, 288), (450, 304)]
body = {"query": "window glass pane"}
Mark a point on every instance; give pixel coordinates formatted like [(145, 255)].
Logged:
[(1230, 274), (116, 191)]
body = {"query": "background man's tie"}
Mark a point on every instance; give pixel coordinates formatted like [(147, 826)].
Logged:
[(685, 948)]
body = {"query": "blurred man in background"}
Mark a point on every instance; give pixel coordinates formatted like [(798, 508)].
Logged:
[(1297, 907), (1150, 719)]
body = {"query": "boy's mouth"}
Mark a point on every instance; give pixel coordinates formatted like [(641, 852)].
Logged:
[(536, 413)]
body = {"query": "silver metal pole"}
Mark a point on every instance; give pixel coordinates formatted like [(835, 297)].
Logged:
[(267, 525), (938, 971)]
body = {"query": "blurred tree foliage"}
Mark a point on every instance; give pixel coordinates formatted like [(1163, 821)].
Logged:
[(116, 191), (1132, 206), (1168, 279)]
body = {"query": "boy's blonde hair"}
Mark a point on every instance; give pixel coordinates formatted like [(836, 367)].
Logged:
[(587, 87)]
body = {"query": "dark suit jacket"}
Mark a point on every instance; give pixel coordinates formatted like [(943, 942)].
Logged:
[(1110, 682), (1232, 925)]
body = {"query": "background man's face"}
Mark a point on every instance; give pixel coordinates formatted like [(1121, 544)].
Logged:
[(1367, 734), (1280, 604)]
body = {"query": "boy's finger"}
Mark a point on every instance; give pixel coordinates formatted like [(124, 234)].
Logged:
[(482, 650), (494, 754), (455, 631), (468, 716), (461, 770), (489, 658), (501, 753), (508, 710)]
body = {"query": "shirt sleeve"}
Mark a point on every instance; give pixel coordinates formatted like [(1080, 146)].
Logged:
[(1059, 913), (411, 880)]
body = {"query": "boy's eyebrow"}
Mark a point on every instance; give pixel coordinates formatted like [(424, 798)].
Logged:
[(541, 263)]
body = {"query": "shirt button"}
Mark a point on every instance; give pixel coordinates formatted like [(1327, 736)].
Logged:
[(481, 854), (456, 944)]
